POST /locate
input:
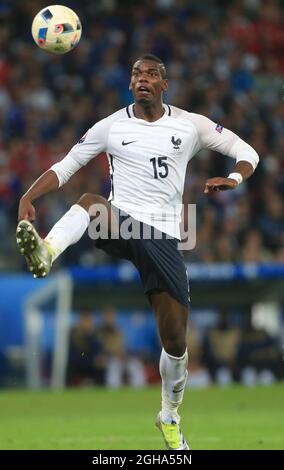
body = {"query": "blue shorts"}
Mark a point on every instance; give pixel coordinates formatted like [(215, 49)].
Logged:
[(158, 261)]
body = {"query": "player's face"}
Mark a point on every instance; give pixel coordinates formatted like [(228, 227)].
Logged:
[(147, 83)]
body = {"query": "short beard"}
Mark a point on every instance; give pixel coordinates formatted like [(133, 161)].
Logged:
[(144, 103)]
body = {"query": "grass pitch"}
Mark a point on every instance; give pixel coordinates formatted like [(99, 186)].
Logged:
[(93, 419)]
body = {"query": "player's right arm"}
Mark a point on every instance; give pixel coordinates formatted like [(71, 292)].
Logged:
[(46, 183), (89, 146)]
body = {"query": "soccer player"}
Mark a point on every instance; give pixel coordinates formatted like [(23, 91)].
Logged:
[(148, 145)]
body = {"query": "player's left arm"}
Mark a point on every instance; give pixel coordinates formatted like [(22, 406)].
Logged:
[(242, 171), (215, 137)]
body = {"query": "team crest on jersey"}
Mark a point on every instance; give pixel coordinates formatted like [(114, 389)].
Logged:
[(83, 138), (219, 128), (176, 142)]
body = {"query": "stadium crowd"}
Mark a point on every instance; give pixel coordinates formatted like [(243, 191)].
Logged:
[(224, 60)]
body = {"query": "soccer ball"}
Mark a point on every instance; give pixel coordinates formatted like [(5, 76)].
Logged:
[(56, 29)]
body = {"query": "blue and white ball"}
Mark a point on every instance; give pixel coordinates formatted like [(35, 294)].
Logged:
[(56, 29)]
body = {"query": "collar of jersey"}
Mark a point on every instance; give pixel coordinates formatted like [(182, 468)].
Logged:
[(165, 115)]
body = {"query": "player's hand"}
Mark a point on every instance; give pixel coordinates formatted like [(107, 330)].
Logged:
[(219, 184), (26, 210)]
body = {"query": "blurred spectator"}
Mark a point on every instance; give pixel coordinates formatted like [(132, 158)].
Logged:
[(253, 249), (259, 355), (121, 367), (221, 345), (271, 221), (87, 359), (198, 375)]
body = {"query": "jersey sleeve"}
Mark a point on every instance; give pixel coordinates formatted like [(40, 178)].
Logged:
[(89, 146), (214, 136)]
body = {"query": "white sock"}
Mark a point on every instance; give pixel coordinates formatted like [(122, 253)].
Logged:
[(173, 372), (68, 230)]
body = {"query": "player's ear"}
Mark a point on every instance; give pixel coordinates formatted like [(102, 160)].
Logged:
[(130, 86), (165, 84)]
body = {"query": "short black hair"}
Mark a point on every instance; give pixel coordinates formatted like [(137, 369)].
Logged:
[(154, 58)]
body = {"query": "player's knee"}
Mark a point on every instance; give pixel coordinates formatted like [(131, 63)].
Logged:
[(87, 200), (174, 346)]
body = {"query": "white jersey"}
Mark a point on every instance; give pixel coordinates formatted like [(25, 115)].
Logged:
[(148, 160)]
